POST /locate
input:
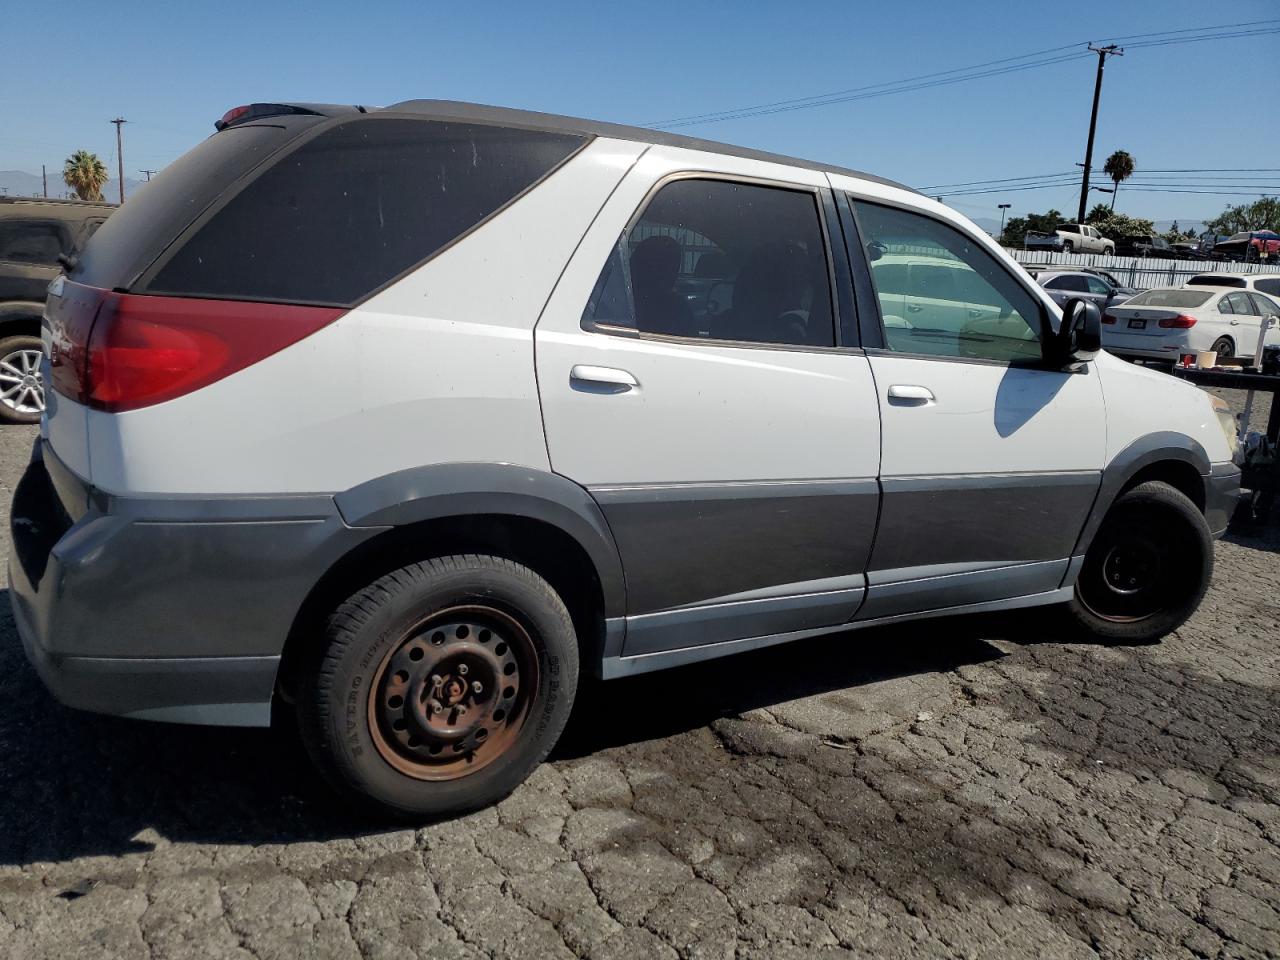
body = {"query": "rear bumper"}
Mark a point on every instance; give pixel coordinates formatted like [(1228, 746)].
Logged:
[(1222, 493), (165, 610)]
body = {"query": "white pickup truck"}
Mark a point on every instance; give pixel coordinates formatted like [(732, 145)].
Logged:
[(1070, 238)]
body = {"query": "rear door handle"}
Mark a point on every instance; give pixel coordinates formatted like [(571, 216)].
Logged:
[(589, 379), (910, 395)]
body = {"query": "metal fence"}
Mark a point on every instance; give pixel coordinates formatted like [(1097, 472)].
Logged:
[(1138, 272)]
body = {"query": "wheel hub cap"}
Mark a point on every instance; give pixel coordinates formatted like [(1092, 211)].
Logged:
[(452, 694)]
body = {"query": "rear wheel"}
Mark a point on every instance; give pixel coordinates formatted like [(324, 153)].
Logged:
[(1224, 348), (21, 382), (1067, 246), (441, 686), (1147, 569)]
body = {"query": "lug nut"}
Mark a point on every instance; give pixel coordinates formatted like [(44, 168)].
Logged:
[(435, 707), (462, 669), (476, 688), (436, 680)]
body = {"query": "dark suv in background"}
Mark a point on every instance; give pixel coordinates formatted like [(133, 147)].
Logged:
[(1145, 245), (33, 235)]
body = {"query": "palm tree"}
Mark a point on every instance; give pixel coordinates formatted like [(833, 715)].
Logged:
[(85, 174), (1119, 167)]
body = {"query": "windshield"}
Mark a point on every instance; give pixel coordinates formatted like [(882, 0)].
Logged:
[(1181, 299)]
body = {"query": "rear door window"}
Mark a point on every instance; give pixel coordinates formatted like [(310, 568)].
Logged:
[(1070, 282), (1242, 305), (356, 206), (721, 260), (36, 242)]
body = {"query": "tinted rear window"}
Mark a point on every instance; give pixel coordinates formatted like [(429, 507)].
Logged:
[(354, 207), (140, 230), (1215, 281), (1181, 299)]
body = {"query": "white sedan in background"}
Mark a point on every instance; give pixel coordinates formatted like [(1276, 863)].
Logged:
[(1166, 324)]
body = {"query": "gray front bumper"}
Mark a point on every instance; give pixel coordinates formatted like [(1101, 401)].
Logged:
[(1221, 495), (163, 609)]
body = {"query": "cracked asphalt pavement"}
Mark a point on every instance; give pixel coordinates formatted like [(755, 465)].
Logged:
[(956, 788)]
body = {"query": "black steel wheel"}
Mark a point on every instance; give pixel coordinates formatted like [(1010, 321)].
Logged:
[(440, 686), (1146, 570)]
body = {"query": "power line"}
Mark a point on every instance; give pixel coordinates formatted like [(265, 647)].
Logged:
[(979, 71), (1144, 173)]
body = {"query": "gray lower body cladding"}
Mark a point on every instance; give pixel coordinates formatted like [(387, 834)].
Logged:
[(173, 610), (709, 564)]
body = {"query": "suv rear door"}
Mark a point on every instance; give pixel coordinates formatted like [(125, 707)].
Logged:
[(990, 460), (731, 443)]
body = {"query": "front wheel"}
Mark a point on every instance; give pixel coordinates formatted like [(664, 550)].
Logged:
[(1147, 569), (440, 686)]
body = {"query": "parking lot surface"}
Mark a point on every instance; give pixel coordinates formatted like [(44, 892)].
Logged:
[(956, 788)]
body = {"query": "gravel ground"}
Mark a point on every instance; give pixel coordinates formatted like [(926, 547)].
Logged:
[(959, 788)]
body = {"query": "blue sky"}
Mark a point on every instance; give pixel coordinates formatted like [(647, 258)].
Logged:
[(172, 68)]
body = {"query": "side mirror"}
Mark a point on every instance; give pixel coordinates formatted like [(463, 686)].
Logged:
[(875, 250), (1079, 336)]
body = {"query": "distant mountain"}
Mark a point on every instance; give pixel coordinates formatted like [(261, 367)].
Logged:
[(18, 183)]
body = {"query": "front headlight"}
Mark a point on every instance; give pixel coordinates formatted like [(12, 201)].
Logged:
[(1227, 421)]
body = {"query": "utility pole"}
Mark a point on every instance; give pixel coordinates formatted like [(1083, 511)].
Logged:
[(120, 122), (148, 173), (1102, 52), (44, 178)]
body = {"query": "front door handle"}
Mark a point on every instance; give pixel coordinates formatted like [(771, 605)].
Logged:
[(589, 379), (910, 395)]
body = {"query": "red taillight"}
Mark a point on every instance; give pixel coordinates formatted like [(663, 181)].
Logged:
[(1108, 318), (145, 350), (1180, 322)]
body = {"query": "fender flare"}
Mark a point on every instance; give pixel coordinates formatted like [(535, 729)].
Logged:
[(468, 489), (1124, 466)]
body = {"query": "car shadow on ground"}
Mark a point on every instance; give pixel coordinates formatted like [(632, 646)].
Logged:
[(75, 784)]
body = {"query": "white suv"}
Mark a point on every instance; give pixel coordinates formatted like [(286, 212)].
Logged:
[(406, 417)]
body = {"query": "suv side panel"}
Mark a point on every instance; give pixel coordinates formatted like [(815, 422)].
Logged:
[(438, 367)]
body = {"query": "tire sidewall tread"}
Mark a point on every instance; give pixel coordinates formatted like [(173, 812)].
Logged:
[(333, 704), (1160, 496)]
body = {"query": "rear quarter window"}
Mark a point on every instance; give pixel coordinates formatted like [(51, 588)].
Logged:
[(356, 206)]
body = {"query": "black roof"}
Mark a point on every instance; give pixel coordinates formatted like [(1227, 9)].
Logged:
[(480, 113)]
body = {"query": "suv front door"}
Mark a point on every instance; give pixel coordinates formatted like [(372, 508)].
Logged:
[(731, 444), (990, 459)]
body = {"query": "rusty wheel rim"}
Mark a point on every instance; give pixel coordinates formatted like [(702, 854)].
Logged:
[(453, 693)]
